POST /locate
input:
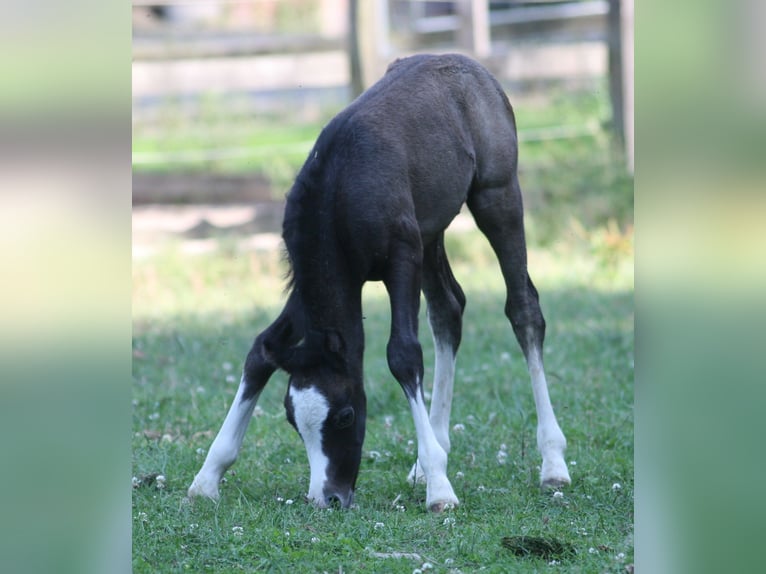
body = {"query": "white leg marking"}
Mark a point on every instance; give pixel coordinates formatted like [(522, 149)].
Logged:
[(550, 439), (225, 448), (441, 401), (433, 459), (310, 409)]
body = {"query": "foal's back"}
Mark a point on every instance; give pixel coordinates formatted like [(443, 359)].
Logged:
[(411, 149)]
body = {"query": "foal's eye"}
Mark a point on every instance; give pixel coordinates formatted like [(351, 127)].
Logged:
[(344, 417)]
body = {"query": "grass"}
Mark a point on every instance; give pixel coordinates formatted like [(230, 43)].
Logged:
[(194, 320)]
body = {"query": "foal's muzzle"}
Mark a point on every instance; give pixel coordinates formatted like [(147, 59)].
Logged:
[(336, 498)]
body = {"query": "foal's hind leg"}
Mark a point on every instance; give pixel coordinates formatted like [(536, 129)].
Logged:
[(446, 302), (256, 373), (405, 359), (499, 215)]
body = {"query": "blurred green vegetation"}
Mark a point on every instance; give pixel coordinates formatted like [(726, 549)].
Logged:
[(572, 172)]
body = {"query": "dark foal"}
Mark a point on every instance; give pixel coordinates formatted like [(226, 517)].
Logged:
[(384, 179)]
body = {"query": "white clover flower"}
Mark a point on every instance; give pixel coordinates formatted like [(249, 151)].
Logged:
[(449, 521), (400, 508), (554, 563), (379, 525), (388, 421), (558, 494), (501, 457), (448, 561), (374, 454), (459, 474), (481, 488), (160, 480), (258, 411), (226, 366), (143, 517), (620, 556), (201, 450), (237, 530), (592, 550), (136, 482), (314, 539), (426, 566), (231, 378), (572, 463), (280, 499), (287, 533), (616, 487), (505, 356), (459, 427), (503, 446), (417, 571), (289, 501)]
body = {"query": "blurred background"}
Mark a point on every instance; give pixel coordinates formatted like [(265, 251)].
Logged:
[(229, 96)]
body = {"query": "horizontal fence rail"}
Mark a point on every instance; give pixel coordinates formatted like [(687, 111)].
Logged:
[(206, 155)]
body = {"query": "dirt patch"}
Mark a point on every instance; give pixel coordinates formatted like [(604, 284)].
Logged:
[(199, 228), (194, 188)]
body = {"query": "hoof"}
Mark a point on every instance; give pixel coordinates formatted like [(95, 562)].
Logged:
[(200, 489), (441, 506), (554, 475), (555, 483)]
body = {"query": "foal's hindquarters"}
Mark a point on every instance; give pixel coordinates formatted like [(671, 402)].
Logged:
[(499, 215)]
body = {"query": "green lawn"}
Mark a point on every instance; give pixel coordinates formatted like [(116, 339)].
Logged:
[(194, 320)]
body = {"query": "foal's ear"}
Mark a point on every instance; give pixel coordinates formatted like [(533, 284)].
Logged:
[(289, 359), (333, 343), (335, 348), (317, 348)]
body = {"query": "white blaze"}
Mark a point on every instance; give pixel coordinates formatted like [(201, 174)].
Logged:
[(310, 410)]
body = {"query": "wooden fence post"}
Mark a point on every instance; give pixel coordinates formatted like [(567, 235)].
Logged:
[(473, 34), (627, 75), (354, 50)]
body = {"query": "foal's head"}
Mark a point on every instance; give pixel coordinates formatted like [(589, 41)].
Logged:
[(327, 407)]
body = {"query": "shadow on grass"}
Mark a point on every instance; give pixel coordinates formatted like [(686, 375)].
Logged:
[(589, 342)]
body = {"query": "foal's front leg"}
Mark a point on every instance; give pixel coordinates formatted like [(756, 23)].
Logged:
[(446, 302), (226, 446), (405, 359)]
